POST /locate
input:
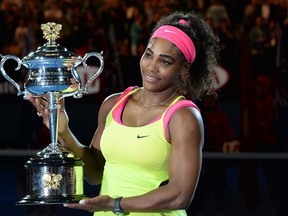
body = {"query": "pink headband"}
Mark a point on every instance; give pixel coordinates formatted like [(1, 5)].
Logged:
[(179, 38)]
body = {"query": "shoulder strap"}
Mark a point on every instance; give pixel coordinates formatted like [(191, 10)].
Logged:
[(128, 91), (118, 107), (175, 105)]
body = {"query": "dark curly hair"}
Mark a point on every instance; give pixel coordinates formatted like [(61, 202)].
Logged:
[(200, 81)]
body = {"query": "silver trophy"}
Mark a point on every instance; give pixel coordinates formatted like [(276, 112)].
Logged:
[(54, 175)]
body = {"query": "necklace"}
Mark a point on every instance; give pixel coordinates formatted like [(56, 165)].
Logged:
[(155, 104)]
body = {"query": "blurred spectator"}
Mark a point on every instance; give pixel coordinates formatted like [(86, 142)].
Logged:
[(149, 12), (250, 13), (219, 137), (265, 136), (265, 115), (219, 131), (258, 36), (200, 5), (137, 33), (262, 47), (215, 12), (21, 37), (263, 41), (12, 48), (53, 12), (250, 9), (230, 58), (265, 10)]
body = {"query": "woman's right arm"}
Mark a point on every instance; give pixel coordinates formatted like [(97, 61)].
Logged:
[(91, 156)]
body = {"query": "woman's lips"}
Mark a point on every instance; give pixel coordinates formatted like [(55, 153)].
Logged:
[(151, 78)]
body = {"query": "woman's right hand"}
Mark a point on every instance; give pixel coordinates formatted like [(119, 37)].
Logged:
[(41, 105)]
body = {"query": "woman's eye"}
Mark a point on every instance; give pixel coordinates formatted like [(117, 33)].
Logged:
[(166, 62), (148, 55)]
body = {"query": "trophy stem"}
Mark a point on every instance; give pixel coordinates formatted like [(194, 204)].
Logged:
[(53, 107)]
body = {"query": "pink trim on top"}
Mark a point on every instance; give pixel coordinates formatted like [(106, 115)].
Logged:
[(179, 104), (127, 91), (122, 100), (117, 112)]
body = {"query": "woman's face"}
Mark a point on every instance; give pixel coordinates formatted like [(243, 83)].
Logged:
[(161, 65)]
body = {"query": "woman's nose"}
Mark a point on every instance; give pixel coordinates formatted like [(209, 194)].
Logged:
[(153, 66)]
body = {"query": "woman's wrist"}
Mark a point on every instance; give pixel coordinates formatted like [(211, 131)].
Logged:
[(63, 136), (117, 209), (63, 133)]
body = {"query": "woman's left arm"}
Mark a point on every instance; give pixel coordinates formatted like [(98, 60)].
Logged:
[(186, 134)]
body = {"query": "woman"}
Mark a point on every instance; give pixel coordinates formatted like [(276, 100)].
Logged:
[(147, 150)]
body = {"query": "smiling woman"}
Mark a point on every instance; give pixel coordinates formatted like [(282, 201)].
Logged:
[(147, 150)]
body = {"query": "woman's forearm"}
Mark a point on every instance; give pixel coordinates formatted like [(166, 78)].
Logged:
[(92, 170)]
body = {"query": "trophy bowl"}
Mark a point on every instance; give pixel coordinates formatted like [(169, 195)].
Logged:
[(54, 175)]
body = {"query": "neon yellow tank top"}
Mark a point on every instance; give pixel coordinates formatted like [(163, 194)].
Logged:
[(136, 159)]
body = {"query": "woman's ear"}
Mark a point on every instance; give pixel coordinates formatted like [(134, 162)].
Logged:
[(185, 70), (187, 65)]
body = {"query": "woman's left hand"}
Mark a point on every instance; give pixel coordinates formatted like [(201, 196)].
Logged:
[(99, 203)]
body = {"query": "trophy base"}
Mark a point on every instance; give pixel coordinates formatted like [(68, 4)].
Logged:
[(51, 200)]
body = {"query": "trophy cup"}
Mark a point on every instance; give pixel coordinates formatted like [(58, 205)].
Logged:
[(54, 175)]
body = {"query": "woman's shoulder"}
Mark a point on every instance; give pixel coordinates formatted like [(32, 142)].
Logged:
[(182, 104), (112, 99), (184, 110)]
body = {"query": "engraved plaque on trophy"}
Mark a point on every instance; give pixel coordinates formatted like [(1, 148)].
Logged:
[(54, 175)]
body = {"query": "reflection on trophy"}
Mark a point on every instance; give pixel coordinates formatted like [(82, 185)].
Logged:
[(54, 175)]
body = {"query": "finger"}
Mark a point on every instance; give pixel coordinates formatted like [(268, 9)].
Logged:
[(38, 103), (89, 201), (39, 114), (43, 113), (62, 104), (42, 107), (44, 102), (79, 206), (39, 106), (74, 205)]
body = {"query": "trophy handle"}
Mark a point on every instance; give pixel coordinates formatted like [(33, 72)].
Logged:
[(95, 75), (19, 61)]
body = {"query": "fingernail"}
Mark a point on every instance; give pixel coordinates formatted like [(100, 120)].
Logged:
[(81, 202), (65, 205)]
